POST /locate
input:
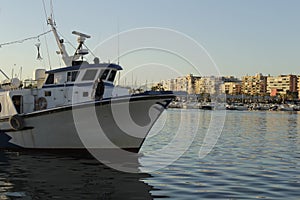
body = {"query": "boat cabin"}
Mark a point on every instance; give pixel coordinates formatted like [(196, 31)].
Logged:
[(62, 87), (82, 75), (77, 84)]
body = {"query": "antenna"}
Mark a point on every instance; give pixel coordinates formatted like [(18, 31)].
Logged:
[(81, 34), (118, 42), (12, 71), (80, 52), (21, 69)]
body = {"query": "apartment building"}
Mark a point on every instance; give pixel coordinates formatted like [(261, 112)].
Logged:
[(282, 84), (298, 86), (192, 84), (254, 85), (209, 85), (169, 85), (184, 84), (232, 88), (251, 85)]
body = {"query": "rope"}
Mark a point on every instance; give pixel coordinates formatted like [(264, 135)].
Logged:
[(24, 40)]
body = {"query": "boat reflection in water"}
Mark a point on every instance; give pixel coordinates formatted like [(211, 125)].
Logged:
[(51, 176)]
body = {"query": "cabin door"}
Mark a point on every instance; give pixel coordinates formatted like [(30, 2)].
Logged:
[(18, 103)]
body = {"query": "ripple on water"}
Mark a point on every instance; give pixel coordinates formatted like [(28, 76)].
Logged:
[(255, 157)]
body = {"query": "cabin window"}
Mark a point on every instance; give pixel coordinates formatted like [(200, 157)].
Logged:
[(71, 76), (47, 93), (50, 79), (112, 75), (0, 107), (89, 75), (104, 74), (18, 103), (85, 94)]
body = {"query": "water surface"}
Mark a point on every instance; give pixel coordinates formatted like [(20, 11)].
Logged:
[(256, 157)]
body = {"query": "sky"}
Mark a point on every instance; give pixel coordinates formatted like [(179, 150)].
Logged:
[(203, 37)]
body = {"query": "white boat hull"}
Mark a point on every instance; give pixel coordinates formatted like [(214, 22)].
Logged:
[(100, 125)]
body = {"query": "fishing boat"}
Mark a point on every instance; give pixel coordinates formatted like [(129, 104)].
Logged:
[(63, 111)]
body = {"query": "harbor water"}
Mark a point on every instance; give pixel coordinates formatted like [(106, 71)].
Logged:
[(256, 156)]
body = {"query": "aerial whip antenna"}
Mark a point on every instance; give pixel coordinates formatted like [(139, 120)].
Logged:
[(118, 42)]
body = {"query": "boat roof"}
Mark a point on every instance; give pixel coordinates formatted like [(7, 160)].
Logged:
[(86, 66)]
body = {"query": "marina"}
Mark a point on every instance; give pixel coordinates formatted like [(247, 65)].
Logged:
[(149, 100), (233, 103), (235, 106)]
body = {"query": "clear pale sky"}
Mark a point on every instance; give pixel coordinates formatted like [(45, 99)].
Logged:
[(242, 36)]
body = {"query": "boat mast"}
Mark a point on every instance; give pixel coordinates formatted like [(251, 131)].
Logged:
[(60, 43)]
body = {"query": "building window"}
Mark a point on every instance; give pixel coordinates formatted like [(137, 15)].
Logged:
[(89, 75), (71, 76)]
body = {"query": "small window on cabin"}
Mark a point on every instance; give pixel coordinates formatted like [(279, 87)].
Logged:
[(104, 74), (47, 93), (0, 107), (89, 75), (85, 94), (112, 75), (50, 79), (71, 76)]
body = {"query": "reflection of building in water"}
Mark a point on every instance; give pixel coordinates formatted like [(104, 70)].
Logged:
[(41, 176), (283, 130)]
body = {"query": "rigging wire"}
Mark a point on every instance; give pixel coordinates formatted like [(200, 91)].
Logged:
[(45, 11), (68, 42), (24, 40), (46, 16), (52, 12), (90, 51), (48, 54)]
